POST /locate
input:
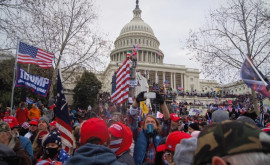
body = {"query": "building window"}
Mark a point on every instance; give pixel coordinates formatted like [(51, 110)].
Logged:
[(130, 41), (135, 41), (139, 41), (127, 42), (191, 78)]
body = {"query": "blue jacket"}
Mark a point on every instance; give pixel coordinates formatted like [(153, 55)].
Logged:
[(141, 146), (91, 154), (27, 145)]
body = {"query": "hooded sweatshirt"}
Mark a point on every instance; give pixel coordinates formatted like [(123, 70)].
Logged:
[(91, 154)]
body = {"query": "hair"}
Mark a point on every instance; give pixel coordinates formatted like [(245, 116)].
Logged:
[(256, 158), (157, 123), (94, 140)]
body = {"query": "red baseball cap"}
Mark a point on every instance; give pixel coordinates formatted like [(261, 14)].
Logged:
[(116, 130), (122, 131), (12, 121), (94, 127), (161, 148), (174, 138), (174, 117), (53, 123), (33, 122)]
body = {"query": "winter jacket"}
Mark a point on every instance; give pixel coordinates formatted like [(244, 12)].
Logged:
[(34, 113), (126, 158), (24, 157), (21, 115), (27, 145), (141, 146), (7, 155), (91, 154)]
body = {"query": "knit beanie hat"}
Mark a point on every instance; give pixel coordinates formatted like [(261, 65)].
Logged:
[(94, 127), (52, 137), (122, 138), (174, 138), (219, 116), (246, 119), (44, 118), (184, 152)]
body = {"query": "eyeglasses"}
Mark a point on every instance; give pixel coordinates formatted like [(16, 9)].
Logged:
[(32, 125)]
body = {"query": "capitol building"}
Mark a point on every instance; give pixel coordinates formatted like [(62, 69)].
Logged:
[(149, 59), (150, 64)]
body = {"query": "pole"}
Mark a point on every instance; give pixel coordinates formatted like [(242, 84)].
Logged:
[(259, 75), (14, 76)]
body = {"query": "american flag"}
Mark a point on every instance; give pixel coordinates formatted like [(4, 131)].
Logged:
[(121, 83), (31, 55), (62, 117)]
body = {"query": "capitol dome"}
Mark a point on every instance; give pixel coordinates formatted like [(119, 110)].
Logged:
[(137, 32), (137, 25)]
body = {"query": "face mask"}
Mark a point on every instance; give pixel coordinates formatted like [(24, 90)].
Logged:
[(51, 152)]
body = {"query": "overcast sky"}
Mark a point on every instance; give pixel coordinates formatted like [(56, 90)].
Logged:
[(171, 21)]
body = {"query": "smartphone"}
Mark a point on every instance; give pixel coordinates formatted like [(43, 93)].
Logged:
[(150, 95)]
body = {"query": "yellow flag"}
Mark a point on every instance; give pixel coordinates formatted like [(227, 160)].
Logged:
[(144, 108)]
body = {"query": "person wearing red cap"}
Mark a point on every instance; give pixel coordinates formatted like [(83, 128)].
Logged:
[(173, 139), (33, 130), (174, 122), (149, 137), (121, 139), (94, 140), (22, 113), (53, 126)]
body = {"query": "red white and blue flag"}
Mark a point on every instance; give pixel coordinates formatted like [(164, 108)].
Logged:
[(120, 84), (62, 117), (28, 54), (252, 80)]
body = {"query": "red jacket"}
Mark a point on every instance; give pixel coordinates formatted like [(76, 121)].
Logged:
[(21, 115)]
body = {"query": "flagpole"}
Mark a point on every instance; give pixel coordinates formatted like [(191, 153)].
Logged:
[(259, 75), (14, 76)]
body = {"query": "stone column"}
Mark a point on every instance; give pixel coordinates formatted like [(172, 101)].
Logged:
[(171, 80), (143, 57), (163, 78), (174, 81), (156, 77), (182, 80)]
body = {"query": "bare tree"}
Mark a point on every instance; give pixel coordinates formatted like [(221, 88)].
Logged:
[(233, 30), (63, 27)]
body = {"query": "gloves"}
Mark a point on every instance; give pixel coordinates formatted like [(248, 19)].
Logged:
[(140, 97), (159, 99)]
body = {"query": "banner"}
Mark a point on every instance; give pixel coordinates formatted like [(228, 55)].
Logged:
[(39, 85)]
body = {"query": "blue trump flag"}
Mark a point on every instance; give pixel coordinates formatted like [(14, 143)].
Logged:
[(252, 80)]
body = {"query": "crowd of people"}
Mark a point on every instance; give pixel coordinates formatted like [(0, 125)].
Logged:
[(112, 134)]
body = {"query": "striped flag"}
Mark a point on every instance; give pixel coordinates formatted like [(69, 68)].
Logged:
[(62, 117), (120, 95), (31, 55), (128, 54)]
